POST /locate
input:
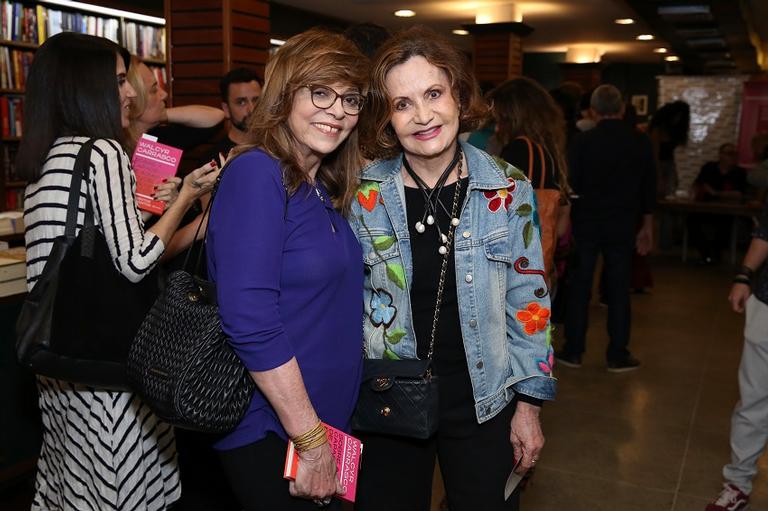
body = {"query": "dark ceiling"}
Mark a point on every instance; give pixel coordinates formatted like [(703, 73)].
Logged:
[(710, 36)]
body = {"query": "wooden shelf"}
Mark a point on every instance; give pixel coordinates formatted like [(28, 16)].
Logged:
[(19, 44), (15, 184), (11, 139), (11, 91)]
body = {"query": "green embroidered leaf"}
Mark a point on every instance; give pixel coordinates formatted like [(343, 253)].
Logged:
[(528, 233), (390, 355), (524, 210), (396, 274), (516, 174), (509, 170), (367, 186), (395, 335), (383, 242)]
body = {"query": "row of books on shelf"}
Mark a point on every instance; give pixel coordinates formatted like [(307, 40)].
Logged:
[(12, 114), (9, 152), (14, 67), (35, 24), (144, 41)]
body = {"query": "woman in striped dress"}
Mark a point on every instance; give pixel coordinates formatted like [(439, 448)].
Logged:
[(101, 449)]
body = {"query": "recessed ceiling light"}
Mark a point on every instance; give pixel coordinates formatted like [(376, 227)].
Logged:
[(405, 13), (460, 31), (660, 50), (624, 21), (645, 37), (671, 58)]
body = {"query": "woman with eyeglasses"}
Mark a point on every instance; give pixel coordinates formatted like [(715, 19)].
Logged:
[(289, 271)]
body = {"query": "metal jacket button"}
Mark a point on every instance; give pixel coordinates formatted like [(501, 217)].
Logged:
[(466, 234), (468, 278), (473, 323)]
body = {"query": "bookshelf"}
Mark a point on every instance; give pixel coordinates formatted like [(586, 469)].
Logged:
[(24, 26)]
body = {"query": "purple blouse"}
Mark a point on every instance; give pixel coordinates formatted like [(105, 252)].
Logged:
[(289, 284)]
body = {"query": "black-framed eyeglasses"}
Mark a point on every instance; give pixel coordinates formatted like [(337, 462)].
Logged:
[(324, 97)]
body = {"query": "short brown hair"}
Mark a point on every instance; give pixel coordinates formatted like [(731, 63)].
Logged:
[(379, 139), (313, 57)]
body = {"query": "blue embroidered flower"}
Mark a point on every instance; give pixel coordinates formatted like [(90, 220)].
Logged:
[(382, 310)]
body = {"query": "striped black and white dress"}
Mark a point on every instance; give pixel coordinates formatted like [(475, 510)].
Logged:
[(101, 450)]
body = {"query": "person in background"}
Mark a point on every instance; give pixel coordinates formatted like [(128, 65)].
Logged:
[(749, 430), (524, 109), (100, 449), (289, 271), (612, 174), (490, 324), (668, 130), (587, 120), (368, 37), (721, 180), (240, 90), (182, 127), (485, 137)]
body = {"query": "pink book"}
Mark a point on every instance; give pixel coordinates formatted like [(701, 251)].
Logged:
[(347, 451), (152, 163)]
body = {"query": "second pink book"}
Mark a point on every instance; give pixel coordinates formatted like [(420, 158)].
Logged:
[(152, 163)]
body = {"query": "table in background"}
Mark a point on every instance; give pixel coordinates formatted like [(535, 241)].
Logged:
[(735, 210)]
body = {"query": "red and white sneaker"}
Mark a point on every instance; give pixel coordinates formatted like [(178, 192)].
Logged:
[(730, 499)]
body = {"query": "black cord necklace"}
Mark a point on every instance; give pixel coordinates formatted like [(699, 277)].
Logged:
[(432, 199)]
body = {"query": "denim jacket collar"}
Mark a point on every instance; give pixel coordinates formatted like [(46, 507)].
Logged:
[(485, 174)]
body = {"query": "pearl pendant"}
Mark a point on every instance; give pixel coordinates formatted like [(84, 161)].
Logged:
[(444, 238), (442, 250), (430, 219), (455, 222), (420, 227)]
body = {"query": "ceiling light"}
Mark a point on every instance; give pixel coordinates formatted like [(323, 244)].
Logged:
[(671, 58), (660, 50), (405, 13), (276, 42), (645, 37), (624, 21), (460, 31), (502, 13)]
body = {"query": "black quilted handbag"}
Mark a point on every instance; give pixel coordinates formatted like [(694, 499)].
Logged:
[(180, 362), (400, 397), (397, 397)]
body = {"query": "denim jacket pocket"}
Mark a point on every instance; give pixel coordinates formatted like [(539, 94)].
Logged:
[(498, 247)]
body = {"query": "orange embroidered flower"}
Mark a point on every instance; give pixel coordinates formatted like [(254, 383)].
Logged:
[(534, 317)]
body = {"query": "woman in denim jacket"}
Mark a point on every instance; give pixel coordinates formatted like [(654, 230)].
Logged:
[(435, 196)]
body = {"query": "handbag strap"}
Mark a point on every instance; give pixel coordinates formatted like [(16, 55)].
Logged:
[(540, 150), (444, 265), (206, 217), (82, 163)]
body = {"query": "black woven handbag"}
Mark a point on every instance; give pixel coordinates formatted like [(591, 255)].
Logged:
[(180, 362)]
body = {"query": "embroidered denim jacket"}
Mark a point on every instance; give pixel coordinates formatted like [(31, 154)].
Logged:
[(504, 306)]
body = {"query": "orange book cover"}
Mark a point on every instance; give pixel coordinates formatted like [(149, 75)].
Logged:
[(152, 163), (347, 451)]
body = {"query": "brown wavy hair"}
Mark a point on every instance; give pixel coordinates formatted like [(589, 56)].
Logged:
[(522, 107), (316, 56), (379, 138)]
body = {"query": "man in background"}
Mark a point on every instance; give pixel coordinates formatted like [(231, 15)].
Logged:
[(612, 174), (240, 90)]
